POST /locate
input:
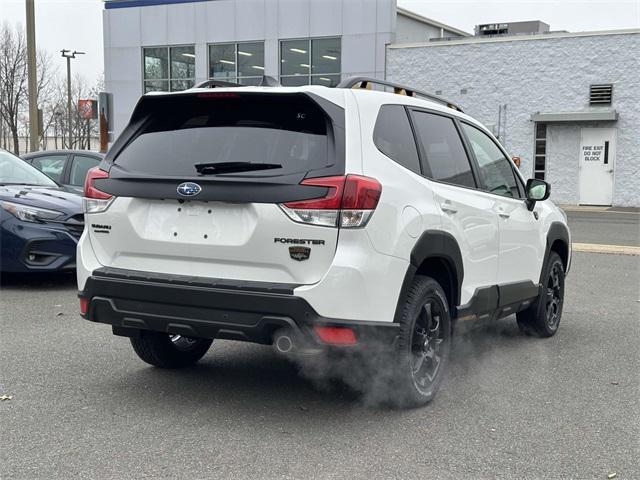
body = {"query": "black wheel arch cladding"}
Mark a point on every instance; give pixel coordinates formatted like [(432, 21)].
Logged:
[(434, 244), (558, 241)]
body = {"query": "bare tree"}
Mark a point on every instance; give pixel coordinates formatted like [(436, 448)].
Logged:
[(13, 85), (13, 79), (81, 129), (47, 75)]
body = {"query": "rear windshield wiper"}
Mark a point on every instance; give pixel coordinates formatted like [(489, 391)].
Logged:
[(232, 167)]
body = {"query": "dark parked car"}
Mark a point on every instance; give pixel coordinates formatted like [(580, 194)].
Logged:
[(40, 220), (68, 167)]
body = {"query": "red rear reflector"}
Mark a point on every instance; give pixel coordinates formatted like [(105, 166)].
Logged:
[(90, 191), (336, 335), (84, 306)]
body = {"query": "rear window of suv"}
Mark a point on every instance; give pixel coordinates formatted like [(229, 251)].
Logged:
[(183, 131)]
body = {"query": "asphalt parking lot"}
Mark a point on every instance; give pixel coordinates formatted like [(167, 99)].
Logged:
[(84, 406), (616, 227)]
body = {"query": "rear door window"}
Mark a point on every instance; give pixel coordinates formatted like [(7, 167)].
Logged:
[(393, 137), (290, 133), (79, 167), (51, 165), (445, 156)]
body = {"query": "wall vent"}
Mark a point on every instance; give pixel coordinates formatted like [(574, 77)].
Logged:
[(600, 94)]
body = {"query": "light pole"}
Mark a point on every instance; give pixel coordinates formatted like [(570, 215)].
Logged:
[(31, 77), (68, 54)]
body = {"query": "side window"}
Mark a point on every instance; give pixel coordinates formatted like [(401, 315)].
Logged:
[(496, 174), (81, 164), (445, 155), (393, 137), (52, 165)]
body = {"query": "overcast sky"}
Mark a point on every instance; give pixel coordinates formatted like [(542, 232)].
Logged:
[(77, 24)]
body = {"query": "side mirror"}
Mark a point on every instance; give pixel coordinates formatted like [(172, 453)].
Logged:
[(537, 191)]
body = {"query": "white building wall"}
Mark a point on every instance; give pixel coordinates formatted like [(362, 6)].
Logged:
[(550, 73), (365, 26), (409, 30)]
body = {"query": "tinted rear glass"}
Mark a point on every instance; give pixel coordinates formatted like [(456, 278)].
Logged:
[(393, 137), (208, 128), (445, 155)]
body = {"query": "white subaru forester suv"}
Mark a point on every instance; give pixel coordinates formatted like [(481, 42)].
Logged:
[(315, 219)]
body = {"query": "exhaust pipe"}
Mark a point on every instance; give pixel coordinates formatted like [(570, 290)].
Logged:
[(283, 341), (287, 341)]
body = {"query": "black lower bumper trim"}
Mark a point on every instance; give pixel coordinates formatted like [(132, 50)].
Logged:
[(193, 281), (136, 301)]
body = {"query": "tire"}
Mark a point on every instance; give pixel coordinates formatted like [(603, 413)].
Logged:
[(542, 318), (424, 344), (169, 351)]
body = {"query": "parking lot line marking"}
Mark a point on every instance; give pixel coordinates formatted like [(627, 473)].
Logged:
[(611, 249)]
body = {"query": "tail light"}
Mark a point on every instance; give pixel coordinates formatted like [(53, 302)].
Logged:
[(95, 201), (348, 203)]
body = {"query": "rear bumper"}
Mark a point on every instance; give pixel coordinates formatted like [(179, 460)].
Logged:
[(131, 301)]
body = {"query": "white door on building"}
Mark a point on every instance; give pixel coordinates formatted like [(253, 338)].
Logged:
[(597, 158)]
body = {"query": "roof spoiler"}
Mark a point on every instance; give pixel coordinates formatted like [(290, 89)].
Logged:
[(265, 81)]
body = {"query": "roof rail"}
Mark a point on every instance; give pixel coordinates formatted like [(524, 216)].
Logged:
[(265, 81), (366, 82)]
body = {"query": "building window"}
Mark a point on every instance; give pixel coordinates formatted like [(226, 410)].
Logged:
[(540, 153), (237, 62), (169, 69), (313, 61)]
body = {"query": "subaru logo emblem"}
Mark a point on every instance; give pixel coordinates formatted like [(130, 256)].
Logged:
[(189, 189)]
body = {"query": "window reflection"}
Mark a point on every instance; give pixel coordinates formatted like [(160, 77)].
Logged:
[(237, 62), (169, 68), (315, 61)]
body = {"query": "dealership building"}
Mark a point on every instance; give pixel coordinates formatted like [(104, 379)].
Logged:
[(568, 104), (170, 45)]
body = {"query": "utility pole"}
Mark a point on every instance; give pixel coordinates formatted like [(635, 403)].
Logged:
[(32, 77), (68, 54)]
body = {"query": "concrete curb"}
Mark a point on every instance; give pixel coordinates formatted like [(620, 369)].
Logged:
[(579, 208), (610, 249)]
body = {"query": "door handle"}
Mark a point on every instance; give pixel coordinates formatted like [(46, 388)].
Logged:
[(447, 208), (502, 213)]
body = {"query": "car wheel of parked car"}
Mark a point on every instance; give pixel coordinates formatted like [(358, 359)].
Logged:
[(169, 351), (542, 318), (424, 343)]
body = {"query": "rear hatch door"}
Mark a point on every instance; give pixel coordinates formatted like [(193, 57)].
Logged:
[(198, 179)]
